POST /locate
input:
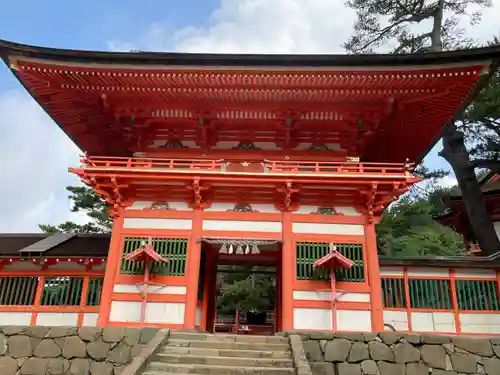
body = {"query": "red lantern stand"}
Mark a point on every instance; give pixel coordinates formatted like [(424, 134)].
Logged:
[(148, 255), (332, 261)]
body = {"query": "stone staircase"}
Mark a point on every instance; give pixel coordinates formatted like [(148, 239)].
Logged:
[(200, 353)]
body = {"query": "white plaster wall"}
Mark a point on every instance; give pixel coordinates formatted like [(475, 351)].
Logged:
[(125, 311), (433, 322), (480, 323), (353, 297), (475, 272), (306, 318), (391, 271), (140, 223), (311, 295), (224, 207), (303, 209), (321, 228), (347, 211), (433, 272), (244, 226), (198, 316), (165, 312), (178, 206), (90, 319), (15, 318), (152, 289), (397, 319), (265, 208), (57, 319), (496, 225), (354, 320)]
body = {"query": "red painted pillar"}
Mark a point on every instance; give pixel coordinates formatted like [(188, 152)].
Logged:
[(373, 270), (193, 270), (112, 268), (287, 273)]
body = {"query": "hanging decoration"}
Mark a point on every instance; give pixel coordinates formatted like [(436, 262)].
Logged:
[(146, 254), (238, 246)]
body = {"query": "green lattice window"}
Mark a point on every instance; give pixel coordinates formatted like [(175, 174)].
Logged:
[(477, 295), (430, 294), (94, 291), (309, 252), (393, 293), (18, 291), (174, 249), (62, 291)]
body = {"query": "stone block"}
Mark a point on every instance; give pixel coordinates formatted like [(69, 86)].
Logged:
[(8, 366), (14, 330), (38, 331), (98, 350), (351, 336), (322, 368), (79, 366), (465, 363), (89, 333), (491, 366), (120, 354), (337, 350), (477, 346), (47, 349), (435, 339), (57, 332), (57, 366), (416, 369), (380, 352), (19, 346), (387, 368), (433, 356), (359, 352), (412, 338), (147, 335), (101, 368), (321, 336), (313, 351), (113, 334), (72, 347), (348, 369), (406, 353), (132, 336), (3, 344), (369, 367), (390, 338), (34, 366)]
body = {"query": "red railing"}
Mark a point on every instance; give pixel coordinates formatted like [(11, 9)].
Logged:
[(120, 162), (336, 167), (270, 166)]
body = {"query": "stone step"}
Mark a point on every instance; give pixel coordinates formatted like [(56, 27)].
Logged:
[(183, 368), (173, 342), (285, 354), (228, 337), (223, 361)]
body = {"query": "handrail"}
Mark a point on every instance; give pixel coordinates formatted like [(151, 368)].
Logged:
[(271, 166)]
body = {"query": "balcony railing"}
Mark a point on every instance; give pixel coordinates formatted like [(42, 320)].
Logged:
[(266, 166)]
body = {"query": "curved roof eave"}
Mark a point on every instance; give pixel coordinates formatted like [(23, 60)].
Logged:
[(277, 60)]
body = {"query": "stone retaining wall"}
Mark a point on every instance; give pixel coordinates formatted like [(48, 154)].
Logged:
[(70, 351), (392, 353)]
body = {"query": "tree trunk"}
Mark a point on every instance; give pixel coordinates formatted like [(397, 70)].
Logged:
[(455, 153)]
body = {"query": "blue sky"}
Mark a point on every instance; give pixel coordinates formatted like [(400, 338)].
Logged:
[(35, 154)]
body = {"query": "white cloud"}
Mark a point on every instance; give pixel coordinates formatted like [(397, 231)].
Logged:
[(34, 159), (275, 26)]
